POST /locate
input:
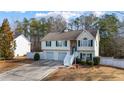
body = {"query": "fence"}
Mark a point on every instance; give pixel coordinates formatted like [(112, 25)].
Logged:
[(112, 62)]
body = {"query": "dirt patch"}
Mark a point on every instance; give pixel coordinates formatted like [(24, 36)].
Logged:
[(6, 65), (96, 73)]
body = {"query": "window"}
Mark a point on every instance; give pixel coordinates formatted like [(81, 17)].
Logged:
[(58, 43), (85, 56), (89, 56), (65, 43), (90, 43), (61, 43), (82, 56), (85, 42), (48, 43)]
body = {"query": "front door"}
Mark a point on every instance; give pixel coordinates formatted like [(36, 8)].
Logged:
[(73, 46)]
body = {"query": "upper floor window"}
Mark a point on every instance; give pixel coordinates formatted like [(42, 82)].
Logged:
[(61, 43), (48, 43), (85, 42)]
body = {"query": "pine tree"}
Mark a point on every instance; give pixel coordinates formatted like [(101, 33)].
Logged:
[(7, 44)]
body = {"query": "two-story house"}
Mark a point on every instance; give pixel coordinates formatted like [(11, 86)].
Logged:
[(57, 45)]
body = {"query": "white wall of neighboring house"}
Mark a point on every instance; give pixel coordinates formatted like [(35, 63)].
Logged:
[(22, 46)]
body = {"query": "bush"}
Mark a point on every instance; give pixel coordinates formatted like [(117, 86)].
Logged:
[(78, 60), (96, 60), (83, 62), (89, 62), (36, 57)]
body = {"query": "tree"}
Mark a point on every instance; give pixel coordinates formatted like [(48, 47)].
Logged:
[(25, 26), (108, 26), (7, 44), (22, 27), (0, 42), (56, 24), (38, 28), (83, 22)]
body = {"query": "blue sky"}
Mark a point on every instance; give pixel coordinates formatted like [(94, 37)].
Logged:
[(13, 16), (19, 15)]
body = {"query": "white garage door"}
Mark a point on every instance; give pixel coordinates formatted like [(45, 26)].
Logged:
[(61, 55), (49, 55)]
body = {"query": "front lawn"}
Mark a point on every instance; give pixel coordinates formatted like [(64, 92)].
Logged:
[(86, 73), (6, 65)]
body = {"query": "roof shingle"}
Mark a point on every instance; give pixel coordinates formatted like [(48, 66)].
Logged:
[(71, 35)]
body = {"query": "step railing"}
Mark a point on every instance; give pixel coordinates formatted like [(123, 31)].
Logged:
[(68, 60)]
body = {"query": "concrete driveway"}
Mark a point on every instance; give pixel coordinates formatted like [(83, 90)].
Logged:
[(31, 72)]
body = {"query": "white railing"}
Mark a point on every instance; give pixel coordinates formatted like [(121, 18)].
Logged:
[(112, 62), (72, 59), (68, 60)]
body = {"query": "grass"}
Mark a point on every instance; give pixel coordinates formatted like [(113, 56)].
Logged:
[(6, 65), (86, 73)]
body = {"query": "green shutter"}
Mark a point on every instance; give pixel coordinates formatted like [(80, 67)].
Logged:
[(78, 42), (91, 42), (66, 43), (50, 43), (56, 43)]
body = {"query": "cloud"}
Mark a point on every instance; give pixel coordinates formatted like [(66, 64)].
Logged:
[(22, 11), (69, 14), (15, 11), (66, 14)]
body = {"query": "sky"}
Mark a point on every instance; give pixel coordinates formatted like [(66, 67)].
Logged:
[(12, 16)]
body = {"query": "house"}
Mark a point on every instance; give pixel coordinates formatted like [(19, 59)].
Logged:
[(65, 45), (22, 45)]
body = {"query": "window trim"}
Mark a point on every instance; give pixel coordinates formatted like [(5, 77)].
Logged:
[(85, 42), (63, 43), (48, 43)]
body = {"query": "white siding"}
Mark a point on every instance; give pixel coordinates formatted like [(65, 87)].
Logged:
[(87, 35), (22, 46), (53, 46)]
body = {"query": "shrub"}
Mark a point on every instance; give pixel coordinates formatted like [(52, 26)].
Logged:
[(96, 60), (36, 57), (78, 60), (83, 62), (89, 62)]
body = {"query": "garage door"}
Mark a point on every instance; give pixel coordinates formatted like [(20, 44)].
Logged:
[(49, 55), (61, 55)]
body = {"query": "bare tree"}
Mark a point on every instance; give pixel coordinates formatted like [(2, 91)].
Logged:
[(56, 24)]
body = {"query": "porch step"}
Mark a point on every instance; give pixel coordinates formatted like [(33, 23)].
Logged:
[(68, 61)]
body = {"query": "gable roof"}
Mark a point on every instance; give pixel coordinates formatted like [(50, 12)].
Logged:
[(21, 35), (71, 35)]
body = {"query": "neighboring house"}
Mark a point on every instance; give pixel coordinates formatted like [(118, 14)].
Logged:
[(60, 46), (22, 45)]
